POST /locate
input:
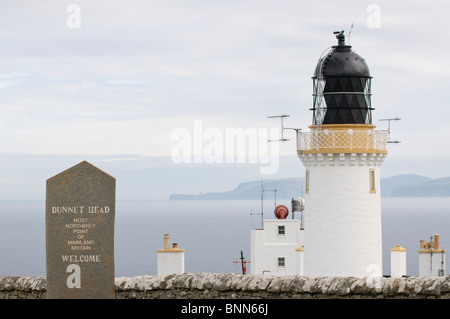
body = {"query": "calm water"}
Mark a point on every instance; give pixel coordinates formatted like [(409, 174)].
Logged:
[(212, 232)]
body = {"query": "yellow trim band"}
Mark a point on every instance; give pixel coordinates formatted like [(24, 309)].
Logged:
[(343, 127), (170, 250), (440, 251), (343, 150)]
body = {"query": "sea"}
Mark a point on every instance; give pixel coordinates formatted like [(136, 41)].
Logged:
[(213, 233)]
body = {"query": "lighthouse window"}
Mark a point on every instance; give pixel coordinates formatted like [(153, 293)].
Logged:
[(281, 230), (372, 181), (281, 262), (307, 181)]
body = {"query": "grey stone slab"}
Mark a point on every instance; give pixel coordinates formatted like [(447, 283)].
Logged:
[(80, 214)]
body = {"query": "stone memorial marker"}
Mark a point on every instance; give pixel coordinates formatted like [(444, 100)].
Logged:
[(80, 212)]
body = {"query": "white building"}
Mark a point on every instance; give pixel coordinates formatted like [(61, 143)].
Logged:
[(431, 258), (170, 260), (398, 262), (277, 248), (342, 154)]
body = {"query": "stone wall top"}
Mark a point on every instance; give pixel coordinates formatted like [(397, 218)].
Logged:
[(339, 286)]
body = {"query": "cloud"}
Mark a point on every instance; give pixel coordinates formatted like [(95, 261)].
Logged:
[(135, 71)]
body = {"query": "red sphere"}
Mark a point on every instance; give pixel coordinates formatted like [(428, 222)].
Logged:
[(281, 212)]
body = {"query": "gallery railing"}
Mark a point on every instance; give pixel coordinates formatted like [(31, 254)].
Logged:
[(342, 140)]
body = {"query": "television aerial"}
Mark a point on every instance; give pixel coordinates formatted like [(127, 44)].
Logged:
[(282, 116), (389, 128)]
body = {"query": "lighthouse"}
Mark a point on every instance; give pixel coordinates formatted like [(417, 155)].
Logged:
[(342, 154)]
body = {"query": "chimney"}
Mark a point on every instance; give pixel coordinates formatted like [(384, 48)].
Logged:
[(436, 242), (166, 241)]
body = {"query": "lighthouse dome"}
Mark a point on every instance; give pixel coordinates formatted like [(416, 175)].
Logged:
[(342, 61), (342, 83)]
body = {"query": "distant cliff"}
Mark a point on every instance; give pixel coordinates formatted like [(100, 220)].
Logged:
[(285, 189), (432, 188), (408, 185), (390, 185)]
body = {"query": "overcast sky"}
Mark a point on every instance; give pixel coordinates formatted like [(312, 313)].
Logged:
[(121, 76)]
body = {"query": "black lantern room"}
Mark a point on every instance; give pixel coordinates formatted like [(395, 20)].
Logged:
[(341, 87)]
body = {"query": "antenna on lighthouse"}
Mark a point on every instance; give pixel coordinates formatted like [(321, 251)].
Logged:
[(282, 116), (348, 36), (389, 128)]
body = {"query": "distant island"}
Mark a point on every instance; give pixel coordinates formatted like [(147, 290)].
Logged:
[(408, 185)]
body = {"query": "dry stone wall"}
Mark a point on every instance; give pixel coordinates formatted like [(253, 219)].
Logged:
[(236, 286)]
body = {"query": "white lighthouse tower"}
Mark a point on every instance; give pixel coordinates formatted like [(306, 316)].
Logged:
[(342, 154)]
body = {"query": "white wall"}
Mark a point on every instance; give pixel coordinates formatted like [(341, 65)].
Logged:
[(430, 263), (170, 263), (342, 218), (398, 264), (267, 246)]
